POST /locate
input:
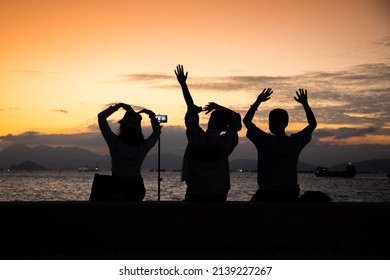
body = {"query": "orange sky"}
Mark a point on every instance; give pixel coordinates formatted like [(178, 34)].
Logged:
[(63, 61)]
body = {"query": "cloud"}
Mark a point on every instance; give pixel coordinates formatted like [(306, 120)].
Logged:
[(356, 96), (135, 107), (60, 111), (348, 104), (250, 84), (384, 42), (33, 138), (346, 132), (8, 109), (174, 141), (145, 77), (373, 77)]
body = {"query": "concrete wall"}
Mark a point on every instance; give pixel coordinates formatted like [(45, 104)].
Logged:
[(180, 230)]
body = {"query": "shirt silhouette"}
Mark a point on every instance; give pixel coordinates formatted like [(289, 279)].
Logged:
[(205, 163), (128, 150), (278, 153)]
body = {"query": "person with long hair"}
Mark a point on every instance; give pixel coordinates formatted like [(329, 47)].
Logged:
[(128, 150), (205, 163)]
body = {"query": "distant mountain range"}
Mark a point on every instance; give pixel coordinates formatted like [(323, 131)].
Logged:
[(27, 165), (60, 158), (71, 158)]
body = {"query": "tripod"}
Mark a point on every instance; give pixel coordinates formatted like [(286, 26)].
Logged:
[(160, 119), (159, 179)]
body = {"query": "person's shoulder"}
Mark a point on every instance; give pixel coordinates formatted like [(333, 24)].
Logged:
[(303, 136), (255, 131), (304, 132)]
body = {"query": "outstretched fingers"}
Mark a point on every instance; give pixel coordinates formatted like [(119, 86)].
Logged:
[(268, 91), (180, 70), (265, 94), (180, 73), (301, 95)]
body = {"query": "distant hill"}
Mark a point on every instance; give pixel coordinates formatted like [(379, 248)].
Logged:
[(59, 158), (71, 158), (28, 166)]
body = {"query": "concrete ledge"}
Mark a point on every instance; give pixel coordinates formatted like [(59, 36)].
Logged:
[(182, 230)]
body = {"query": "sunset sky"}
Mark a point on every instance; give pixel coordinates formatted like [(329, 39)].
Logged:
[(62, 62)]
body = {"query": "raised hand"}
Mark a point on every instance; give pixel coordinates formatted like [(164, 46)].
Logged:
[(264, 95), (301, 96), (181, 77), (210, 107)]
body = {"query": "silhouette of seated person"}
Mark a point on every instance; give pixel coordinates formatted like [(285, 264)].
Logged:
[(205, 164), (277, 152), (128, 150)]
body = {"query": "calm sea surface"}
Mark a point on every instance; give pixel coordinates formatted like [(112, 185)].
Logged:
[(76, 186)]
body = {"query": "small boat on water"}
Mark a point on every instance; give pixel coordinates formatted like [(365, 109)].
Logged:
[(88, 169), (349, 172)]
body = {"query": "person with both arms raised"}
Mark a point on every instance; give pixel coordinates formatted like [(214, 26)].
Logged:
[(278, 153), (128, 150)]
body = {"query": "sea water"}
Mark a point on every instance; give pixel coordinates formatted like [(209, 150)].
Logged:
[(76, 186)]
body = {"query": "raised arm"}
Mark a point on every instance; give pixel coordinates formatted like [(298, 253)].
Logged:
[(182, 78), (153, 120), (302, 98), (103, 124), (263, 96), (103, 115), (152, 139)]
